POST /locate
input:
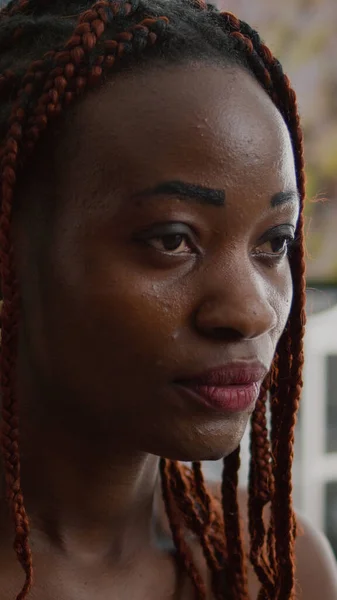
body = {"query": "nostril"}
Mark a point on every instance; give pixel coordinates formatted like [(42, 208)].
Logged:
[(225, 333)]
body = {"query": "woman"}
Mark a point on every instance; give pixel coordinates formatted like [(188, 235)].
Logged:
[(153, 297)]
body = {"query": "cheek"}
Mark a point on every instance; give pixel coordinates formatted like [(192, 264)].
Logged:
[(120, 313), (282, 300), (128, 320), (138, 314)]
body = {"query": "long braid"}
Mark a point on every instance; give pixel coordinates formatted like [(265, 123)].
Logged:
[(184, 553), (9, 334), (274, 374), (284, 518), (201, 490), (213, 531), (283, 485), (202, 514), (198, 518), (235, 568), (261, 470), (277, 84), (279, 392), (260, 478)]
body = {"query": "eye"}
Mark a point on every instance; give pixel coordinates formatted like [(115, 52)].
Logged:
[(175, 239), (278, 246), (276, 243), (174, 243)]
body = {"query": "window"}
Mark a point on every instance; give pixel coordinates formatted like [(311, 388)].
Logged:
[(331, 404), (331, 513)]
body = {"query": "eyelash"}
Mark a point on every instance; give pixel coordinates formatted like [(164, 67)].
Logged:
[(167, 230), (289, 243)]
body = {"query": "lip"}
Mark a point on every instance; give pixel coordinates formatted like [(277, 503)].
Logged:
[(232, 388)]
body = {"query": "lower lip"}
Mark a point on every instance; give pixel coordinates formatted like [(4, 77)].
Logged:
[(232, 398)]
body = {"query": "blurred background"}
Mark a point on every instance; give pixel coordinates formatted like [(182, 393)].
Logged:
[(302, 34)]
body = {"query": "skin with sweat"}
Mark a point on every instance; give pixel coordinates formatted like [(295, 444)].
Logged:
[(129, 284)]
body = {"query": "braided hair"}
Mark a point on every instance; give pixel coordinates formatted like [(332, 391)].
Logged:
[(51, 53)]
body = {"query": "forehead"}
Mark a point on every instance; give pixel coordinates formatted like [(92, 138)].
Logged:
[(193, 122)]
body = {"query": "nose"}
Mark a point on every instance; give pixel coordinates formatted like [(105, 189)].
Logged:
[(235, 304)]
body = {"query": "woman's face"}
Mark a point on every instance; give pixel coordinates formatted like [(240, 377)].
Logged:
[(147, 281)]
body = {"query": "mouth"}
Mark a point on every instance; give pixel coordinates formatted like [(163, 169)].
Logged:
[(234, 387)]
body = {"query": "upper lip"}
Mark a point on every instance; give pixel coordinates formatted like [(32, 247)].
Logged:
[(233, 373)]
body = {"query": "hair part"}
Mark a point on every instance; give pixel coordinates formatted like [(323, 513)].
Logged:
[(51, 53)]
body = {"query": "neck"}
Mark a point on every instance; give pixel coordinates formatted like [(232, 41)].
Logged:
[(84, 491)]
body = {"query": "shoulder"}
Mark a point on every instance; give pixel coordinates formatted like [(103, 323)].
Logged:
[(316, 570), (316, 567)]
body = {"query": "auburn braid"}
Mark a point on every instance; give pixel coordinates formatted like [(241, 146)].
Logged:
[(235, 567), (196, 518), (260, 445), (284, 457), (285, 98), (210, 532), (184, 553), (274, 419), (9, 324), (260, 476), (201, 490), (86, 41)]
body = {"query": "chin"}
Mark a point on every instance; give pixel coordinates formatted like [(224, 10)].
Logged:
[(192, 450), (196, 438), (200, 455)]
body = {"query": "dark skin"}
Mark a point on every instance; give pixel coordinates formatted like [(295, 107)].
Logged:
[(112, 318)]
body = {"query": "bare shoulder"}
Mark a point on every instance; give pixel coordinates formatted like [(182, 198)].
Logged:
[(316, 567), (316, 564)]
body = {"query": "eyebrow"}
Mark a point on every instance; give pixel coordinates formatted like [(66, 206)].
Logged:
[(281, 198), (188, 191), (210, 196)]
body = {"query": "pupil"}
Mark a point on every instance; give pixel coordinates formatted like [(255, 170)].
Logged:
[(172, 242), (278, 244)]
